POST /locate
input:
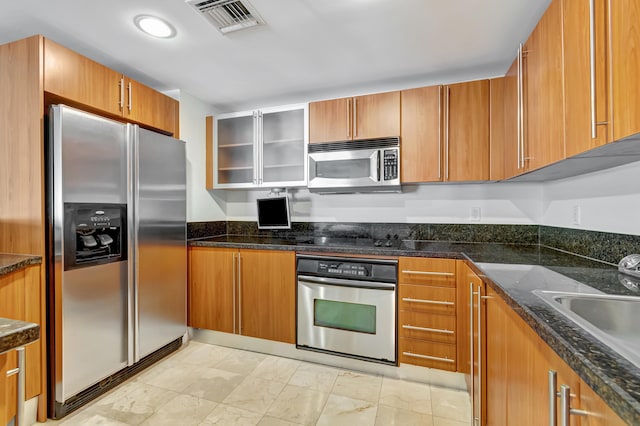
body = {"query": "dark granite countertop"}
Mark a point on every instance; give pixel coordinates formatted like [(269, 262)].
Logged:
[(14, 262), (14, 333), (513, 271)]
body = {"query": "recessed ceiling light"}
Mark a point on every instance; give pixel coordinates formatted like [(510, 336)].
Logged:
[(154, 26)]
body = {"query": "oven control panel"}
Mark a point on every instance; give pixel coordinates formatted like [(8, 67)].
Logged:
[(374, 270), (340, 268)]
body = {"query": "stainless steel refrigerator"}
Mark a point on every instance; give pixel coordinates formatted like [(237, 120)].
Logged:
[(117, 253)]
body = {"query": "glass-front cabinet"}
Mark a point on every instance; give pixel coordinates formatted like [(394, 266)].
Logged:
[(262, 148)]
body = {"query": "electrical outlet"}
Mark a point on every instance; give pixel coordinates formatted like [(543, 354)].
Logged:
[(576, 215), (475, 214)]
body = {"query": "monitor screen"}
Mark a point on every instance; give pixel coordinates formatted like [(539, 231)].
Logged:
[(273, 213)]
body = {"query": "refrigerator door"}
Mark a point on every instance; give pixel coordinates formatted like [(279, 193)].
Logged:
[(160, 252), (87, 165)]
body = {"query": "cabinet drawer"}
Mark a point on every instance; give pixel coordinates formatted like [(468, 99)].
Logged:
[(427, 354), (434, 327), (427, 271), (419, 298)]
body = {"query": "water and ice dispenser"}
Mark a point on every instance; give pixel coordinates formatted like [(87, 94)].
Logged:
[(94, 234)]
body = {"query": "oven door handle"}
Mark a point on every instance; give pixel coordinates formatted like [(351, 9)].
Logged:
[(339, 282)]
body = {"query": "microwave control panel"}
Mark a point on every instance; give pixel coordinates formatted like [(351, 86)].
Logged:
[(390, 164)]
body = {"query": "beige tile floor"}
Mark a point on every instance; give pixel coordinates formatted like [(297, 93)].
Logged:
[(203, 384)]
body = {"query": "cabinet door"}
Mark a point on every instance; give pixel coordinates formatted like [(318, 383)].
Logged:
[(283, 146), (497, 368), (376, 116), (146, 106), (212, 293), (330, 121), (235, 159), (72, 76), (267, 288), (467, 132), (544, 107), (420, 132), (625, 63), (504, 160), (578, 75)]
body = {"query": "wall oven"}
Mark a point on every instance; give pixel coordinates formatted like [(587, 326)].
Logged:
[(355, 166), (347, 306)]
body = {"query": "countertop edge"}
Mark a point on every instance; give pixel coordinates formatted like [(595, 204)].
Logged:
[(19, 263)]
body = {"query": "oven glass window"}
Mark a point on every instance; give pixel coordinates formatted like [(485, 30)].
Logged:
[(344, 169), (344, 316)]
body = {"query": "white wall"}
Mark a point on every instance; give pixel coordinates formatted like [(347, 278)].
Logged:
[(608, 201), (516, 203), (202, 205)]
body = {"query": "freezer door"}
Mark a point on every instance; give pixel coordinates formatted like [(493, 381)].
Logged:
[(87, 163), (160, 251), (90, 155)]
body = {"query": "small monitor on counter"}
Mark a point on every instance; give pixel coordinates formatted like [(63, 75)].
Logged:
[(273, 212)]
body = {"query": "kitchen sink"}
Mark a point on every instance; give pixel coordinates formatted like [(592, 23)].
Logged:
[(611, 319)]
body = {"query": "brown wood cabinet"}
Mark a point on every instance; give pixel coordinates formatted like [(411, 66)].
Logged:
[(472, 337), (624, 60), (421, 135), (21, 299), (543, 91), (93, 86), (247, 292), (518, 366), (359, 117), (579, 76), (504, 138), (211, 288), (466, 125), (427, 312)]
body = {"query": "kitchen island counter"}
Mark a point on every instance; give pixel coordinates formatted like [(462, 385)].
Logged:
[(15, 262), (512, 270)]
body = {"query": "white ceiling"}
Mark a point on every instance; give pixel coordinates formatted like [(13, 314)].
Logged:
[(309, 49)]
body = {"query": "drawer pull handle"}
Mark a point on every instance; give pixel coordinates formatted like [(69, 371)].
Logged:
[(443, 274), (431, 302), (433, 330), (433, 358)]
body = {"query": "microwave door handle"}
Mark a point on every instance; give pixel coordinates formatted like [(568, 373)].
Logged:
[(374, 166)]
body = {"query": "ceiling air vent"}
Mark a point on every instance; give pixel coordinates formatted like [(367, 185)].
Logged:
[(228, 15)]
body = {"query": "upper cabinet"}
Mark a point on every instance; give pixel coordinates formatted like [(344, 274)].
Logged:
[(624, 60), (421, 135), (445, 133), (602, 62), (543, 142), (262, 148), (73, 77), (466, 131), (359, 117)]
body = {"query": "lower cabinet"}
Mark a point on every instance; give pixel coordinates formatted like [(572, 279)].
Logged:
[(247, 292), (472, 338), (520, 366), (427, 312), (20, 299)]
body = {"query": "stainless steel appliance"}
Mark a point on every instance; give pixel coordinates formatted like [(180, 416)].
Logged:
[(347, 306), (355, 166), (117, 253)]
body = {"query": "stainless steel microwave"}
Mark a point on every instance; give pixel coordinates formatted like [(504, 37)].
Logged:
[(355, 166)]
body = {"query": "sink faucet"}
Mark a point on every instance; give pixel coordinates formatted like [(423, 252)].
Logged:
[(630, 265)]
